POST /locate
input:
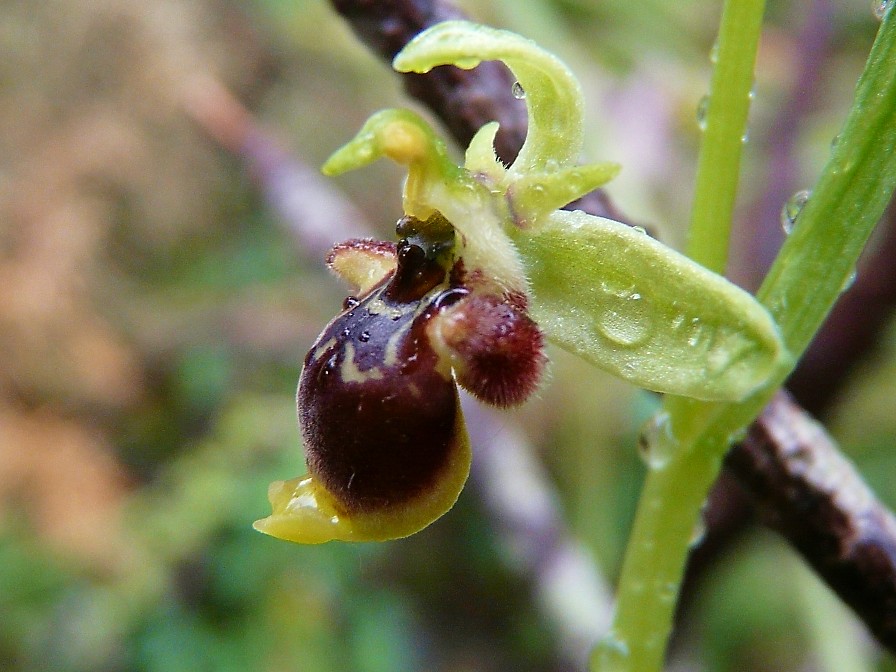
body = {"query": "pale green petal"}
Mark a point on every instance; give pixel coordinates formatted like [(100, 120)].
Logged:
[(644, 312), (533, 196), (480, 159), (553, 95)]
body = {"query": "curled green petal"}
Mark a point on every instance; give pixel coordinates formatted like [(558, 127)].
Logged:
[(644, 312), (553, 96), (480, 158), (533, 196)]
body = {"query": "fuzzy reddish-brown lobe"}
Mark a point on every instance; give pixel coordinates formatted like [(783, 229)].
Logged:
[(498, 348)]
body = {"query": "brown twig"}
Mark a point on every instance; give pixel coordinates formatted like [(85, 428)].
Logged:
[(804, 488)]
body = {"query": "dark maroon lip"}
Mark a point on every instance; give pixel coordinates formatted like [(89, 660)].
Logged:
[(377, 402)]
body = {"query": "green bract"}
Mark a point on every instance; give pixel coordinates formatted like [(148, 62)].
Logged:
[(598, 288)]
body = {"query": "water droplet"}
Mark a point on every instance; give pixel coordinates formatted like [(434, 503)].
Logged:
[(518, 91), (834, 142), (714, 52), (880, 8), (640, 229), (703, 112), (626, 327), (696, 332), (668, 592), (792, 209), (737, 436), (467, 63), (745, 138), (850, 280), (698, 533), (364, 336), (610, 655), (350, 302), (656, 443)]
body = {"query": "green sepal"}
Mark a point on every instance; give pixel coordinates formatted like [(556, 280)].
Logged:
[(638, 309), (533, 196), (406, 138), (553, 97)]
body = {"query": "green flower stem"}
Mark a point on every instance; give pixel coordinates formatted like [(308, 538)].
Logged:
[(813, 267), (718, 166)]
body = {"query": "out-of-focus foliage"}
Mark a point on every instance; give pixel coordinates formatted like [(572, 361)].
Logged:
[(154, 314)]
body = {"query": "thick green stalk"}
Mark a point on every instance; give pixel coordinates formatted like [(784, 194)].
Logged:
[(814, 265), (723, 116)]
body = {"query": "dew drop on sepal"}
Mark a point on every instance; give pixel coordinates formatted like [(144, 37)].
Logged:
[(881, 7), (518, 91), (792, 209), (698, 533)]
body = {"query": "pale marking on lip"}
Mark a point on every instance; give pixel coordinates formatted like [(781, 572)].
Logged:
[(320, 350), (390, 358), (349, 371)]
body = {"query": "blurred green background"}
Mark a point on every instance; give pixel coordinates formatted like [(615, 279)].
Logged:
[(155, 310)]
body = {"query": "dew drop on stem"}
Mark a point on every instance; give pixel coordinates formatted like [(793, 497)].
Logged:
[(834, 142), (703, 112), (881, 7), (656, 443), (792, 209), (610, 655)]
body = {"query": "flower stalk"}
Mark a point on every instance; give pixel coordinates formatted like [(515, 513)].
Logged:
[(812, 268)]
